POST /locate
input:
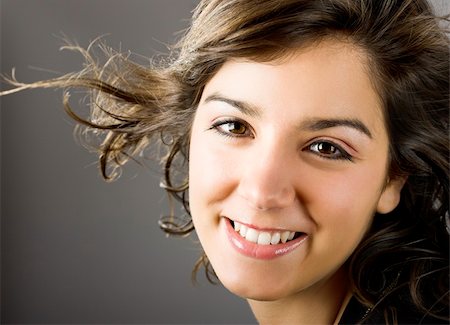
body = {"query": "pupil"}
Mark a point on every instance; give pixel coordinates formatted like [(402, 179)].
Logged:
[(237, 127), (326, 148)]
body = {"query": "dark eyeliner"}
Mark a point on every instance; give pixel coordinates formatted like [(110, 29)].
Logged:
[(216, 127), (343, 155)]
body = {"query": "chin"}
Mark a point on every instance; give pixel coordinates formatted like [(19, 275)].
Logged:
[(260, 290), (259, 294)]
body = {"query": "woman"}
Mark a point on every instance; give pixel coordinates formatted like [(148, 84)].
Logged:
[(315, 133)]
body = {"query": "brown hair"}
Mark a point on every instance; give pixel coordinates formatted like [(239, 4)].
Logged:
[(408, 51)]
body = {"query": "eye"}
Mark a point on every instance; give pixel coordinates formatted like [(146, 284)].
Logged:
[(329, 150), (232, 128)]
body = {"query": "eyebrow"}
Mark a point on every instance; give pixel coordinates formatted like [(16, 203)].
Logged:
[(312, 124), (244, 107), (317, 124)]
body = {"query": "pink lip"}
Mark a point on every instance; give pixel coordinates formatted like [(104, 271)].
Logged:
[(264, 252)]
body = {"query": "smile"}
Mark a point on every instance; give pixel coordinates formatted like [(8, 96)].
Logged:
[(263, 237), (262, 244)]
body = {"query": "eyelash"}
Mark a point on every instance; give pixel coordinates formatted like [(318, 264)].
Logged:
[(341, 155), (217, 127)]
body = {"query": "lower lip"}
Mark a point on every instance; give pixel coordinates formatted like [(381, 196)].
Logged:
[(263, 252)]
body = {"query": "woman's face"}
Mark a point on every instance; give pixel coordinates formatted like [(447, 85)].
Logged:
[(294, 154)]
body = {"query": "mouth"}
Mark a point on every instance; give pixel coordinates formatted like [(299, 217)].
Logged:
[(264, 237), (262, 244)]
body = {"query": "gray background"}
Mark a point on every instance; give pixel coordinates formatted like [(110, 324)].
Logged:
[(75, 249)]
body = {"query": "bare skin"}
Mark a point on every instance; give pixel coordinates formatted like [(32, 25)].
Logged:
[(299, 145)]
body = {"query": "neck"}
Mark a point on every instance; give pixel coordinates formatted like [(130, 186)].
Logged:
[(322, 303)]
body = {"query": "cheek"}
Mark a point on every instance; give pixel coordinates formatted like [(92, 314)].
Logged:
[(210, 180), (212, 168), (343, 204)]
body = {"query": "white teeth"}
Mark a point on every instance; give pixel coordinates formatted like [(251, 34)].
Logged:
[(275, 238), (284, 236), (263, 237), (237, 226), (243, 230), (291, 235), (252, 235)]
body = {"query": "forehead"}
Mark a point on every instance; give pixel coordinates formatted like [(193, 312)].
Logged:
[(327, 79)]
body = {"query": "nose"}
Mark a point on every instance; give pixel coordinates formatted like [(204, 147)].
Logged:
[(267, 181)]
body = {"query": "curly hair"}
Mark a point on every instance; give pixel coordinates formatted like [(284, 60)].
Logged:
[(134, 106)]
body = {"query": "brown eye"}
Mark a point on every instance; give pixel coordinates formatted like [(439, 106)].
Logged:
[(232, 128), (329, 150), (235, 128), (326, 148)]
